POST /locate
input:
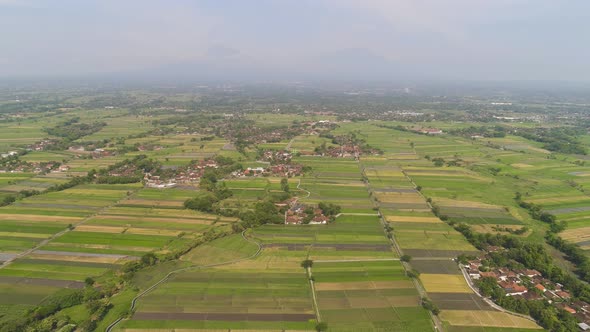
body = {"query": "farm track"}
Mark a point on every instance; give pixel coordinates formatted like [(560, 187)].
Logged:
[(313, 295), (288, 147), (307, 191), (438, 326), (152, 287), (467, 279), (488, 301), (358, 214), (59, 234), (356, 260)]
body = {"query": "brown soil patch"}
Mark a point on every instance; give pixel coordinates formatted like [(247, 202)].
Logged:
[(36, 217), (361, 285), (230, 317), (100, 229), (42, 282), (413, 219)]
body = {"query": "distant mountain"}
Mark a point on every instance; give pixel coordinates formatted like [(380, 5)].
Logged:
[(223, 63), (354, 63)]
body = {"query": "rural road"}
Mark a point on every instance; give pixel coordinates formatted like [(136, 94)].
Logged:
[(315, 301), (437, 323), (288, 147), (465, 275), (438, 326), (149, 289), (307, 191), (358, 214), (488, 301)]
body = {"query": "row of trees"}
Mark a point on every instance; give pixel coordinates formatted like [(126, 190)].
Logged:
[(559, 139), (72, 130)]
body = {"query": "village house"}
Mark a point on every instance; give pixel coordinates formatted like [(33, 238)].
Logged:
[(79, 148), (297, 215), (9, 154), (541, 288), (528, 273), (512, 288), (564, 295), (431, 131), (490, 274)]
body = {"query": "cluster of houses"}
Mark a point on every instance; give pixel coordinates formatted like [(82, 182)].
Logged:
[(277, 157), (42, 145), (125, 170), (298, 213), (430, 131), (19, 166), (190, 175), (94, 153), (531, 285), (280, 170), (343, 151), (9, 154), (149, 148)]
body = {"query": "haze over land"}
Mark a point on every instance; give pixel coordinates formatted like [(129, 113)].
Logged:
[(294, 165), (303, 40)]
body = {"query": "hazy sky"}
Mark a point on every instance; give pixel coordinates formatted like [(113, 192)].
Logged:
[(364, 39)]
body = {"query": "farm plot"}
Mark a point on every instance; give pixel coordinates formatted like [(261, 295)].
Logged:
[(483, 318), (37, 182), (416, 230), (255, 294), (387, 179), (13, 135), (81, 166), (444, 283), (476, 213), (349, 237), (159, 198), (368, 295), (150, 220), (117, 125), (337, 182), (16, 297), (30, 221), (181, 149), (306, 143)]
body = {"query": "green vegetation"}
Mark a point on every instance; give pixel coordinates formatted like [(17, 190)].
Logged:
[(174, 192)]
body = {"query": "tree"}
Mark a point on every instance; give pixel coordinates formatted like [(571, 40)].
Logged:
[(202, 203), (405, 258), (329, 209), (321, 327), (413, 274), (89, 281), (285, 185), (149, 259), (307, 263)]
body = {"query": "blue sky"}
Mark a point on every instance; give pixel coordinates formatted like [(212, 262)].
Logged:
[(363, 39)]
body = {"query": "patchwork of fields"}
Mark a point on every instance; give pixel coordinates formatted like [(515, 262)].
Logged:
[(457, 193), (356, 281)]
